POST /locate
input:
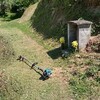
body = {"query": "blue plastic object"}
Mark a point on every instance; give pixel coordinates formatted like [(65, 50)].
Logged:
[(47, 72)]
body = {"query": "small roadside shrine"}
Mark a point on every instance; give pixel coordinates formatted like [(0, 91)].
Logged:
[(80, 31)]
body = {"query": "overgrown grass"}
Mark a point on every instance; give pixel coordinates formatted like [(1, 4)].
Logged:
[(86, 85), (84, 89), (24, 84), (85, 80), (6, 52), (82, 86)]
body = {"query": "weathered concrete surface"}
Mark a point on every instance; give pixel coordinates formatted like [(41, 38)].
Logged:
[(84, 35), (80, 31)]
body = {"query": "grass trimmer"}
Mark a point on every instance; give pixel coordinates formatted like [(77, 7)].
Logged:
[(46, 72)]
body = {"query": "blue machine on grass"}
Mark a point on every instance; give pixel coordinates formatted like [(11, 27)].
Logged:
[(46, 72)]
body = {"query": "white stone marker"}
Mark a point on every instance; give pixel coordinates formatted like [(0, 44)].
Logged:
[(80, 31)]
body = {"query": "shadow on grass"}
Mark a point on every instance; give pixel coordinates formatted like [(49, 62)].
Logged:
[(55, 53), (41, 76), (50, 17)]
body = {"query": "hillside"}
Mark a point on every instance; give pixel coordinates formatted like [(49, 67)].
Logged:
[(76, 77), (50, 17)]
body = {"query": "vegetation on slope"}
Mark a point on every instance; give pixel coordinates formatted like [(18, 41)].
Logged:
[(21, 83), (14, 8), (51, 17), (81, 71)]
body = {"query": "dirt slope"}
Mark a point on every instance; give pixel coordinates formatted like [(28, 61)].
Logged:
[(28, 13)]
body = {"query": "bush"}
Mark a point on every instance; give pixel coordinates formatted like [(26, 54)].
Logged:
[(15, 6)]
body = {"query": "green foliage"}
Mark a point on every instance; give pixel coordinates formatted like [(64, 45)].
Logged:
[(2, 7), (97, 79), (84, 87), (50, 18), (91, 71), (14, 6), (81, 89)]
